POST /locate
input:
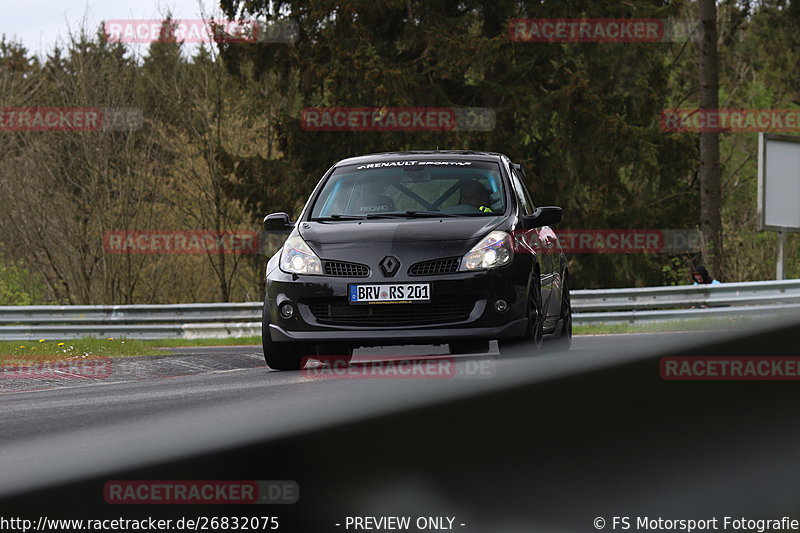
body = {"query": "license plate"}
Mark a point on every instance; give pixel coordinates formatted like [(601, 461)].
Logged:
[(391, 293)]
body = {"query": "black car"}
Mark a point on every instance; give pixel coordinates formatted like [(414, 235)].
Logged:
[(415, 248)]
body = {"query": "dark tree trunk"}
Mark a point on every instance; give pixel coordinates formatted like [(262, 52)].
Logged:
[(710, 182)]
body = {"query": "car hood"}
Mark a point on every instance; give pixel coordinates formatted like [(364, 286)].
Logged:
[(463, 229)]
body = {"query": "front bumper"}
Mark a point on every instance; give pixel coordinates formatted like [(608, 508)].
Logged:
[(366, 337), (480, 291)]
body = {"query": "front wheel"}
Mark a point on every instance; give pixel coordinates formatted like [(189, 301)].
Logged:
[(468, 347), (531, 341), (281, 355), (335, 355), (284, 355), (564, 340)]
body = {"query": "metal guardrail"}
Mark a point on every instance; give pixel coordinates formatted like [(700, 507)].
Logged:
[(129, 314), (146, 322), (216, 320), (755, 299), (213, 330), (754, 293)]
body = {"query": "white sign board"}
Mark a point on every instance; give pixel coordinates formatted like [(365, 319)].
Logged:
[(778, 182)]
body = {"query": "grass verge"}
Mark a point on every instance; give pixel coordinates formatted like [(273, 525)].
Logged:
[(27, 352), (35, 351), (709, 324), (230, 341)]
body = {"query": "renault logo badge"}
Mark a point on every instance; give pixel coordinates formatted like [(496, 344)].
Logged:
[(389, 265)]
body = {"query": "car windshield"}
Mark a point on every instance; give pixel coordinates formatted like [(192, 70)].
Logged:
[(410, 189)]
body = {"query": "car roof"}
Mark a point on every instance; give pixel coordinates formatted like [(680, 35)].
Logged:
[(444, 154)]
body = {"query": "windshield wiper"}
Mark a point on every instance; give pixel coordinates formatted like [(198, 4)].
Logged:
[(338, 217), (404, 214), (412, 214), (429, 214)]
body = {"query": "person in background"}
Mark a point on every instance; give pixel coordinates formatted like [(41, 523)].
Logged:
[(700, 276)]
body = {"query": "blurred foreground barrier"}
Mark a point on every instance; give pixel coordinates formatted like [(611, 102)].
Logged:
[(218, 320)]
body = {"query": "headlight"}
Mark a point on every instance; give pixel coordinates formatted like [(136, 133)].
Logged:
[(297, 257), (494, 250)]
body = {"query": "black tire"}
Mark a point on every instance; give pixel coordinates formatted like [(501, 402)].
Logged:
[(335, 355), (564, 339), (532, 340), (281, 355), (468, 347)]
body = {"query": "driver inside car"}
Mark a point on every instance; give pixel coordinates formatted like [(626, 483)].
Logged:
[(475, 194)]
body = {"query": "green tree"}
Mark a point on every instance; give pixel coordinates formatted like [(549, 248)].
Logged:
[(581, 117)]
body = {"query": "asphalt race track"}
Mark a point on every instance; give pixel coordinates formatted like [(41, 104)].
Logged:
[(194, 400), (505, 444)]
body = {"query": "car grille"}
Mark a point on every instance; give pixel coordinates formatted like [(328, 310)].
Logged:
[(346, 270), (449, 310), (434, 267)]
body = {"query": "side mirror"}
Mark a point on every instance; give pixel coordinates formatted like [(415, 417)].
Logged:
[(277, 222), (543, 216)]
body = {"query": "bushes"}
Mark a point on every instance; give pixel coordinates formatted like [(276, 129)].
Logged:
[(18, 286)]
